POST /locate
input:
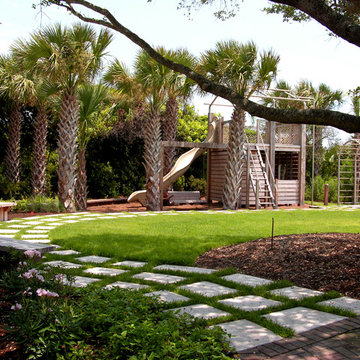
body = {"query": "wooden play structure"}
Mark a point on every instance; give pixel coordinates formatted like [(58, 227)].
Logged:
[(349, 173), (274, 169), (274, 161)]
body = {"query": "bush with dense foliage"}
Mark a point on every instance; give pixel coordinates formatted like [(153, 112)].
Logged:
[(54, 321)]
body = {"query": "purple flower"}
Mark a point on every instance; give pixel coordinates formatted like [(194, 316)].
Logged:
[(46, 293), (16, 307), (59, 277), (32, 254)]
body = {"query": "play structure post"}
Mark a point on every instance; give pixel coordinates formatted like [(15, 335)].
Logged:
[(161, 177), (248, 176), (326, 194), (302, 166), (276, 193), (257, 205)]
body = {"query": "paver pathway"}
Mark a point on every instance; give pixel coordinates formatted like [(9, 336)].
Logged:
[(319, 334)]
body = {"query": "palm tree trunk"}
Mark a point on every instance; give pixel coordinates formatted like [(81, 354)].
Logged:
[(152, 161), (319, 150), (39, 153), (67, 149), (169, 127), (81, 181), (234, 166), (12, 152)]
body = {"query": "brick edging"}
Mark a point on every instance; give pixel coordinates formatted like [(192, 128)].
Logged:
[(304, 344)]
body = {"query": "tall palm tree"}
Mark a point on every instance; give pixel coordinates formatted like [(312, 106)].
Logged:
[(91, 99), (152, 76), (177, 86), (240, 67), (15, 86), (68, 57)]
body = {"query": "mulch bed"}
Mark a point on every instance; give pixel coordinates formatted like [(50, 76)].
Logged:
[(317, 261)]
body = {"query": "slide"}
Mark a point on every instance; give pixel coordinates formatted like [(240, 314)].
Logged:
[(180, 167)]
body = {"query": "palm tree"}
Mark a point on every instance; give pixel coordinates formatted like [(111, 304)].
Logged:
[(68, 57), (91, 98), (152, 76), (240, 67), (176, 86), (15, 87)]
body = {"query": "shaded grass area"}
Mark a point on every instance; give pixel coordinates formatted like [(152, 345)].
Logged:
[(180, 239)]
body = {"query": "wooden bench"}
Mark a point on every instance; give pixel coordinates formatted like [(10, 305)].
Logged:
[(6, 244), (184, 197), (4, 209)]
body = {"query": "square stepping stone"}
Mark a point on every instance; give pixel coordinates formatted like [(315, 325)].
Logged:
[(65, 252), (302, 319), (33, 223), (104, 271), (6, 236), (167, 296), (92, 215), (247, 280), (250, 302), (126, 285), (18, 226), (246, 334), (55, 224), (35, 236), (38, 241), (70, 221), (37, 231), (189, 269), (87, 219), (40, 227), (159, 278), (70, 217), (80, 281), (296, 292), (202, 311), (93, 259), (207, 289), (8, 231), (127, 216), (50, 220), (129, 263), (345, 303), (63, 264)]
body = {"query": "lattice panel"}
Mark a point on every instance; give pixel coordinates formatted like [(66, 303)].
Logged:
[(287, 134)]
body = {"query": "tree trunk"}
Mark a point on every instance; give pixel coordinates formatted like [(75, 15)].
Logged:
[(152, 161), (81, 181), (12, 152), (234, 166), (67, 149), (38, 180), (169, 127)]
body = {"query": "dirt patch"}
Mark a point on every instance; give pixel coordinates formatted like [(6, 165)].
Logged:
[(316, 261)]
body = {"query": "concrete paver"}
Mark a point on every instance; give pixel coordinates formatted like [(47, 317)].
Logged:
[(202, 311), (104, 271), (345, 303), (250, 302), (296, 292), (247, 280), (167, 296), (207, 289), (159, 278)]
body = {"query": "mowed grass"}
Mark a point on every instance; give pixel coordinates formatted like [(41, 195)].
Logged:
[(180, 239)]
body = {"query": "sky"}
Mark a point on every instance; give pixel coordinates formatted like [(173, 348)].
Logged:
[(306, 50)]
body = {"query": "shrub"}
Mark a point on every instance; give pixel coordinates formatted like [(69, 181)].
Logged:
[(197, 184), (319, 188), (39, 203), (54, 321)]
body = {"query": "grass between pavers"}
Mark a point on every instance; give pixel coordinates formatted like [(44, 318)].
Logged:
[(180, 239), (242, 290)]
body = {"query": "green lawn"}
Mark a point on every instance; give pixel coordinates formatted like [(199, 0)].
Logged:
[(180, 239)]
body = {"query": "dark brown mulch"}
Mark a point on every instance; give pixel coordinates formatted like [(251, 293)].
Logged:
[(317, 261)]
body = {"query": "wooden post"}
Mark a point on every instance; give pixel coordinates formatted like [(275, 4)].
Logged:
[(257, 205), (248, 177), (272, 129), (276, 193), (161, 177), (257, 131), (208, 177), (326, 194), (302, 165)]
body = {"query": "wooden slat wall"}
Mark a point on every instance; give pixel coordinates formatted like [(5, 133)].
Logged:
[(288, 190)]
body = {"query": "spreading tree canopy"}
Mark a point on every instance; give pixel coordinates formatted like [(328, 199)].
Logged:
[(340, 17)]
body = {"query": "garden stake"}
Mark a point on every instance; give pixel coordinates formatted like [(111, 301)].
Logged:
[(272, 234)]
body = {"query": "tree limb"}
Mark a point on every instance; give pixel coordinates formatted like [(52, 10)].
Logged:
[(343, 121), (336, 22)]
